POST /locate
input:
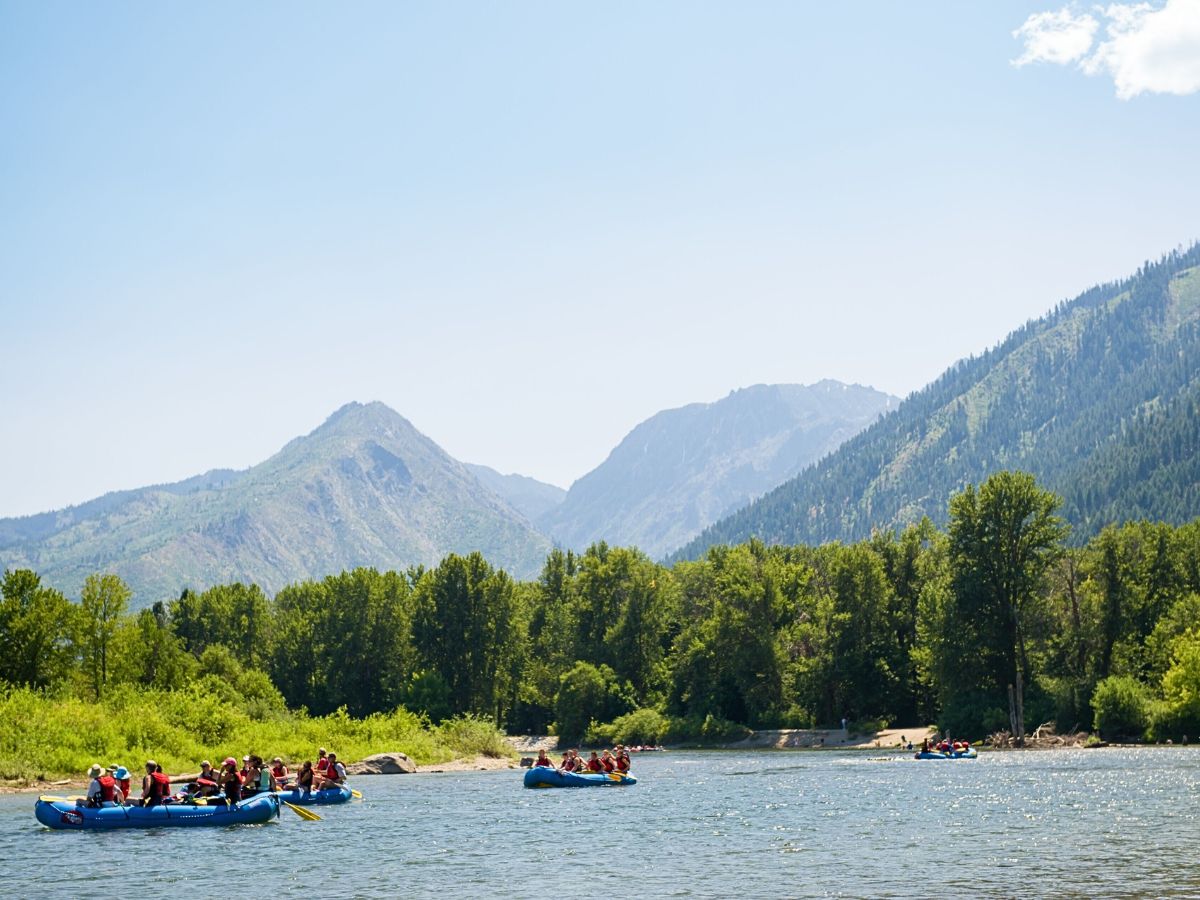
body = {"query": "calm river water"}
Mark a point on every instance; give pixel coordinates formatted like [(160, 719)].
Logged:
[(1082, 823)]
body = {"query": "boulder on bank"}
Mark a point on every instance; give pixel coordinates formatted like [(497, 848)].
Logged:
[(383, 764)]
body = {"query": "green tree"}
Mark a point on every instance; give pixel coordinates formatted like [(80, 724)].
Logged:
[(102, 603), (1004, 536), (587, 694), (36, 625), (234, 615), (465, 630)]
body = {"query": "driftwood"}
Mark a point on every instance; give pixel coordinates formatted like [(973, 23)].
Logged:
[(1044, 737)]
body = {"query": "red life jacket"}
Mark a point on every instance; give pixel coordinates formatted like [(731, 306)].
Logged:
[(623, 763), (124, 783), (161, 785), (322, 764), (593, 765), (107, 785), (278, 772), (607, 763)]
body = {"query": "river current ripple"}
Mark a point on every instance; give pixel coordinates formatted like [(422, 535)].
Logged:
[(1086, 823)]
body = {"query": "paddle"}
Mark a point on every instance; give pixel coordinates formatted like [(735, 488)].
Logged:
[(617, 776), (306, 814), (46, 798)]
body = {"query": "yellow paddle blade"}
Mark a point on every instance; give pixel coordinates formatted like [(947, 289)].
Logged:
[(306, 814), (357, 795), (46, 798)]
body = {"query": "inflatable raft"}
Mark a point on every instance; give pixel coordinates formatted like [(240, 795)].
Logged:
[(70, 814), (316, 798), (962, 754), (543, 777)]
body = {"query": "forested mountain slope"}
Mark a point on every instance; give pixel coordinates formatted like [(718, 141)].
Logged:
[(1100, 400), (684, 468), (364, 489)]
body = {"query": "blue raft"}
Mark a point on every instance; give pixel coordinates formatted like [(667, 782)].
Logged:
[(316, 798), (962, 754), (71, 815), (543, 777)]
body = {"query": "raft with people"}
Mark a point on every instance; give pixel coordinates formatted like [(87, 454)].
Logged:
[(946, 749), (545, 777), (70, 814), (969, 753), (612, 768)]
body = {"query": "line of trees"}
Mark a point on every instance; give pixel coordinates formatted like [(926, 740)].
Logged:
[(994, 623)]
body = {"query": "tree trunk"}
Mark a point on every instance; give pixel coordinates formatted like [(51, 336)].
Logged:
[(1020, 732)]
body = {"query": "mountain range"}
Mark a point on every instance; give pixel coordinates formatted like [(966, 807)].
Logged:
[(366, 488), (685, 468), (1099, 399)]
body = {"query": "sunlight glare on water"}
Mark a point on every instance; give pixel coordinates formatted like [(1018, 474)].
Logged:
[(1114, 822)]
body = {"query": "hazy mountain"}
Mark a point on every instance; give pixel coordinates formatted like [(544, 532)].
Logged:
[(1100, 400), (528, 496), (364, 489), (684, 468)]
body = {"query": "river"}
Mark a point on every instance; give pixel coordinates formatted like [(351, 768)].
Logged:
[(1087, 823)]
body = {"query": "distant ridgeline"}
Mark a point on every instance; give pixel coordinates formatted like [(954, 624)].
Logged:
[(1100, 400)]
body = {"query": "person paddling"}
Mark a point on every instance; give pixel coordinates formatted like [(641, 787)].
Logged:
[(543, 760), (279, 771)]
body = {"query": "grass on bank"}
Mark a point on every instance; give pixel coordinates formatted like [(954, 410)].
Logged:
[(52, 737)]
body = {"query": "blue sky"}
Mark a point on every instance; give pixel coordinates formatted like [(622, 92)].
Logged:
[(527, 227)]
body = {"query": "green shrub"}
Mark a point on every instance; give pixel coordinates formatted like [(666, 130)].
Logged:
[(1121, 706), (58, 737), (642, 726)]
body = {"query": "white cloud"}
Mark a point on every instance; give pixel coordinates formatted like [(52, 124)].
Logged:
[(1058, 37), (1146, 48)]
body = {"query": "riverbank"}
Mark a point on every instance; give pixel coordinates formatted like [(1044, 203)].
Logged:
[(832, 739)]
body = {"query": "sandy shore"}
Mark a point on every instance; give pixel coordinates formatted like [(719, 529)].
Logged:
[(832, 739), (478, 764)]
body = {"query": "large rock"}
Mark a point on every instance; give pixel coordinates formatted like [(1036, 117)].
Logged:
[(383, 764)]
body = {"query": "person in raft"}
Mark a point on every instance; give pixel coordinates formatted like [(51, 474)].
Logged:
[(335, 774), (567, 764), (231, 780), (608, 762), (543, 760), (322, 761), (594, 764), (279, 771), (103, 790), (209, 780), (622, 760), (121, 774), (304, 778), (156, 786)]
